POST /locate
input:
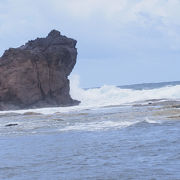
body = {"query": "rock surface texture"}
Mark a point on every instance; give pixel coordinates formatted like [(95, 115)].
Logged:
[(36, 74)]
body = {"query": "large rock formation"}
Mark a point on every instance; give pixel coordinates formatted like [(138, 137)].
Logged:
[(36, 74)]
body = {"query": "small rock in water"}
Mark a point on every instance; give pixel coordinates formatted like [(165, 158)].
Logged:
[(32, 113), (13, 124)]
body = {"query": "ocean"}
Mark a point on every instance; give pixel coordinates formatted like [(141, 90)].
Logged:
[(126, 132)]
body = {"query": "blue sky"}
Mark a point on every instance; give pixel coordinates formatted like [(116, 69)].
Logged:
[(119, 41)]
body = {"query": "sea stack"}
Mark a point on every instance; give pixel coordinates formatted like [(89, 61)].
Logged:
[(36, 74)]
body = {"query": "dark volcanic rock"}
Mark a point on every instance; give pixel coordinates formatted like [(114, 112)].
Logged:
[(9, 125), (36, 74)]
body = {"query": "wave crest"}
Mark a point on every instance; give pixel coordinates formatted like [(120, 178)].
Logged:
[(112, 95)]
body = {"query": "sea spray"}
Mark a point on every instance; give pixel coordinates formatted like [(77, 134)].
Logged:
[(111, 95), (107, 95)]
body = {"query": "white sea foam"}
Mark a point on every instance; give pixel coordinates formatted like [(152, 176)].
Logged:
[(108, 96), (98, 125), (112, 95), (151, 121)]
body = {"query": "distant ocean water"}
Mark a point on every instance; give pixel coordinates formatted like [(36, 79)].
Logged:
[(126, 132)]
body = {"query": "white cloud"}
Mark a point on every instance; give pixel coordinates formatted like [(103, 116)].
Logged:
[(160, 15), (115, 16), (124, 10)]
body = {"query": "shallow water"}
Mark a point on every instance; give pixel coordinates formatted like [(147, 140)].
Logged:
[(114, 134), (121, 142)]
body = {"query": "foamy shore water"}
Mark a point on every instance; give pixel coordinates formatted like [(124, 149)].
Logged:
[(114, 133), (109, 96)]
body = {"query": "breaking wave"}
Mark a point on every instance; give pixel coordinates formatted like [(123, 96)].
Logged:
[(112, 95), (108, 95)]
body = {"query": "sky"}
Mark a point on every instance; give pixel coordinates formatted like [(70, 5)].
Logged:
[(119, 41)]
